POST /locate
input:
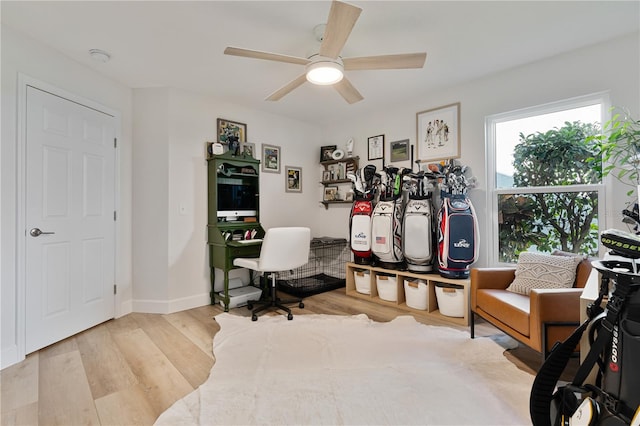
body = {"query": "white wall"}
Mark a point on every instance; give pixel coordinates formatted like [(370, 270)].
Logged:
[(170, 260), (611, 66), (23, 55)]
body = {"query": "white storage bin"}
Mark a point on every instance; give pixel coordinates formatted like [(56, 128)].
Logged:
[(241, 295), (450, 299), (363, 281), (387, 288), (415, 293)]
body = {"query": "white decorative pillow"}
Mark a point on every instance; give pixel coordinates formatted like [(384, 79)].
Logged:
[(538, 270)]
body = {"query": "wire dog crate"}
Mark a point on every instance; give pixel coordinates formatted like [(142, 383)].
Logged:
[(324, 271)]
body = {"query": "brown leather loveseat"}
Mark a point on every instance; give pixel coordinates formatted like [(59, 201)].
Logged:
[(537, 320)]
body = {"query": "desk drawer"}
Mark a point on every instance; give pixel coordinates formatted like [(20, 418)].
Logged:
[(248, 251)]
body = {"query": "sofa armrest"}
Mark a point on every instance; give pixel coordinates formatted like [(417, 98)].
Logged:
[(494, 278), (555, 304)]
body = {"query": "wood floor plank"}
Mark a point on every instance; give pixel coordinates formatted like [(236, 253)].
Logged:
[(25, 415), (175, 345), (106, 367), (25, 373), (65, 396), (161, 381), (201, 333), (126, 407)]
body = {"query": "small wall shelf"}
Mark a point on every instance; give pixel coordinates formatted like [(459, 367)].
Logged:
[(334, 173)]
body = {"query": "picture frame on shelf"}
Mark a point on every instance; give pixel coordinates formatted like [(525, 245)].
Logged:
[(376, 147), (399, 150), (227, 128), (271, 158), (249, 149), (326, 152), (330, 193), (326, 176), (438, 133), (293, 179)]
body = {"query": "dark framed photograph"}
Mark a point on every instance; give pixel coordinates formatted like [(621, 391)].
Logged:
[(376, 147), (231, 131), (270, 158), (326, 152), (438, 133), (293, 176), (399, 150)]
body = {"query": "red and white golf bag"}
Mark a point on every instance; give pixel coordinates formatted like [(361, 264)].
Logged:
[(360, 226)]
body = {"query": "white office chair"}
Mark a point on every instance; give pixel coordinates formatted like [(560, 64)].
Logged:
[(282, 249)]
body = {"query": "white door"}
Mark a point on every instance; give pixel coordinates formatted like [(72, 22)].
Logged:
[(70, 227)]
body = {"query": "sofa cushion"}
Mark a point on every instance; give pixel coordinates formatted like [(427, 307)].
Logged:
[(539, 270), (507, 307)]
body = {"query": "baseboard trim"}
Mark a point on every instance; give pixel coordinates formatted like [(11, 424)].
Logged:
[(170, 306), (9, 356)]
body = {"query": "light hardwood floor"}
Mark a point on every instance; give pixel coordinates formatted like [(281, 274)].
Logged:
[(129, 370)]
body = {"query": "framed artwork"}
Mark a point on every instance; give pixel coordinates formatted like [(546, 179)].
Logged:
[(399, 150), (438, 133), (330, 193), (249, 149), (326, 152), (227, 128), (376, 147), (326, 175), (293, 176), (270, 158)]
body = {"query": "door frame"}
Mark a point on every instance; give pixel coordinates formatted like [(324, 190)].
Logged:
[(24, 81)]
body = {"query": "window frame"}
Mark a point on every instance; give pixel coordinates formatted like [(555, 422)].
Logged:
[(492, 193)]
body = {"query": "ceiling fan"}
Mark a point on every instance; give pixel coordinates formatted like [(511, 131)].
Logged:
[(327, 66)]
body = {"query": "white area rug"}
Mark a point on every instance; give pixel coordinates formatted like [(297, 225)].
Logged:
[(332, 370)]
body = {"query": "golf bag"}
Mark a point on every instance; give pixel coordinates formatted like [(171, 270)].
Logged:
[(457, 236), (361, 211), (417, 226), (360, 226), (386, 222), (614, 336)]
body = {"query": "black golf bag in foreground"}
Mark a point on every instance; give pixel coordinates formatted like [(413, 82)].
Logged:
[(614, 335)]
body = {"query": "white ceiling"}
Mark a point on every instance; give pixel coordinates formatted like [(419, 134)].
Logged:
[(180, 44)]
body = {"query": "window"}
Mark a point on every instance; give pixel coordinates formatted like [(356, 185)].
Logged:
[(545, 179)]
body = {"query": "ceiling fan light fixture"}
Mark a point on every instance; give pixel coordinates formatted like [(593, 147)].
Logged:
[(324, 73)]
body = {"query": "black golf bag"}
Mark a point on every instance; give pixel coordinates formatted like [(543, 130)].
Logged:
[(614, 335), (457, 236), (417, 225)]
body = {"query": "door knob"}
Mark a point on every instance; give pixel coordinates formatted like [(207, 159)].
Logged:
[(36, 232)]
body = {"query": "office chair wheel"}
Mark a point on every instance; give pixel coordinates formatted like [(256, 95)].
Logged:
[(254, 317), (249, 306), (290, 317), (301, 305)]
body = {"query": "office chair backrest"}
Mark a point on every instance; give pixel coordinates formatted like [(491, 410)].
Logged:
[(284, 248)]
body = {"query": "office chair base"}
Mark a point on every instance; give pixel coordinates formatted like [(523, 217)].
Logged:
[(273, 302)]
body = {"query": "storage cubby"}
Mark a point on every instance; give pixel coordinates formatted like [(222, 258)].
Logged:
[(362, 273)]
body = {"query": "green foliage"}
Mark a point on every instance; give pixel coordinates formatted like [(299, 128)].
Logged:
[(620, 145), (564, 220)]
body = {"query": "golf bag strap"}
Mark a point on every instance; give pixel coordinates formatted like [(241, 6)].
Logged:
[(614, 308)]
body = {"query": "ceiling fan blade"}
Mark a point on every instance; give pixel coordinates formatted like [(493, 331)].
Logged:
[(236, 51), (342, 18), (289, 87), (386, 62), (348, 92)]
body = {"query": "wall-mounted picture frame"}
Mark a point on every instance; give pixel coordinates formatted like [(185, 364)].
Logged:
[(227, 128), (376, 147), (438, 133), (330, 193), (248, 149), (293, 179), (326, 152), (399, 150), (270, 158)]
